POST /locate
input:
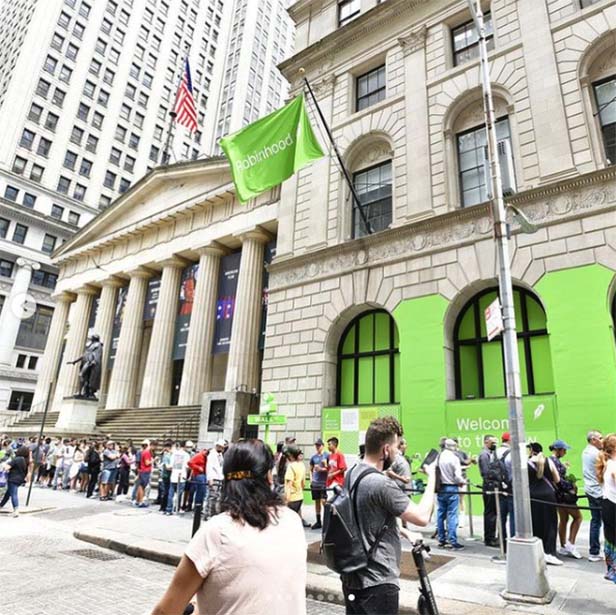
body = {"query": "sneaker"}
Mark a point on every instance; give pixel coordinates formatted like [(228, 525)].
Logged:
[(15, 513), (317, 525), (572, 551), (552, 560), (595, 558), (457, 546), (563, 551)]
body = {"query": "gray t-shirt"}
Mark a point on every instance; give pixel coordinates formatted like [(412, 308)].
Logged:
[(110, 459), (402, 468), (379, 502)]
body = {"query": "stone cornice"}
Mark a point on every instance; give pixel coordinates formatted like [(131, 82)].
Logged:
[(356, 30), (19, 213), (545, 206), (414, 41)]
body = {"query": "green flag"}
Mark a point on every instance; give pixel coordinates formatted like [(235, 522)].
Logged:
[(270, 150)]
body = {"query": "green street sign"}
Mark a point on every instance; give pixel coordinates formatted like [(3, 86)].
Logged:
[(267, 419)]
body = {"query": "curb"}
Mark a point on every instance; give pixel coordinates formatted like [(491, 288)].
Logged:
[(127, 549)]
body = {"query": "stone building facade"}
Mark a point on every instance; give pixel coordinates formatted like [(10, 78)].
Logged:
[(553, 69)]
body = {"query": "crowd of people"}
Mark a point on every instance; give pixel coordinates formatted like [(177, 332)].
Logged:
[(111, 470)]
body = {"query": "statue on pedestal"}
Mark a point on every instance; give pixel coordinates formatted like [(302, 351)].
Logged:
[(90, 368)]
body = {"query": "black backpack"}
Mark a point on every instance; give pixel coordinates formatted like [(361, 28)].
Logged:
[(497, 476), (342, 541)]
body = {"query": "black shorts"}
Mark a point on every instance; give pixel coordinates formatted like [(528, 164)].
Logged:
[(318, 493), (296, 506)]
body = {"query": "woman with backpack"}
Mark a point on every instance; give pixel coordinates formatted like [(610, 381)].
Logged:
[(17, 469), (566, 494), (244, 544)]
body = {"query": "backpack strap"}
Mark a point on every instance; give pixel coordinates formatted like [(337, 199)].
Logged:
[(352, 494)]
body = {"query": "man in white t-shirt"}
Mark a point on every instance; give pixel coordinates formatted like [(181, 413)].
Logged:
[(67, 462), (214, 479), (179, 465)]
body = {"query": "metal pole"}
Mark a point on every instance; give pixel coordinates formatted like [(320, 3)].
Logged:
[(471, 527), (347, 175), (38, 442), (499, 559), (526, 554)]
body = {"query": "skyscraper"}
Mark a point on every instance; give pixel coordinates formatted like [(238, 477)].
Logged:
[(85, 93)]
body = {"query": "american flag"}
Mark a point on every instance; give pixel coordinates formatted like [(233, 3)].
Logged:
[(185, 103)]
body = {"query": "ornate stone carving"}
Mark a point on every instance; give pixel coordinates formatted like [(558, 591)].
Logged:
[(373, 155), (324, 86), (414, 41)]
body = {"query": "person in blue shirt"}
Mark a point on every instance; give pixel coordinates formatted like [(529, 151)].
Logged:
[(318, 471)]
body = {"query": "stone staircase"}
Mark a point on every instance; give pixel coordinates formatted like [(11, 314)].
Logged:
[(175, 423)]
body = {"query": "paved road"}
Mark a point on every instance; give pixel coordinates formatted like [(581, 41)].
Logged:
[(45, 571)]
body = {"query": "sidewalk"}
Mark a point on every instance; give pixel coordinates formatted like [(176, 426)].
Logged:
[(469, 583)]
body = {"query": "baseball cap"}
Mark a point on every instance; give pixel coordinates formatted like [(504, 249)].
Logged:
[(189, 444), (559, 444), (146, 442), (506, 437), (319, 442), (221, 442)]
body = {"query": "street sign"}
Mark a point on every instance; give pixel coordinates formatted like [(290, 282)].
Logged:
[(494, 319), (267, 419)]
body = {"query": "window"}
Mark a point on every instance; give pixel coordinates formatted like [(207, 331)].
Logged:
[(33, 331), (373, 187), (72, 51), (70, 160), (109, 76), (29, 200), (114, 156), (139, 119), (84, 10), (154, 153), (143, 99), (103, 98), (19, 165), (19, 233), (50, 65), (86, 168), (106, 26), (104, 201), (135, 71), (65, 74), (78, 31), (27, 139), (95, 67), (89, 89), (112, 7), (4, 227), (114, 56), (79, 193), (34, 115), (57, 41), (478, 364), (110, 179), (32, 362), (348, 10), (57, 211), (73, 218), (6, 268), (97, 119), (44, 278), (133, 141), (64, 20), (10, 193), (465, 40), (52, 121), (101, 46), (129, 163), (124, 185), (21, 401), (471, 154), (64, 184), (77, 135), (42, 88), (370, 88), (44, 147), (92, 143), (605, 93), (369, 361), (58, 97), (120, 133), (125, 111), (36, 173), (83, 112), (49, 243), (585, 3), (130, 91), (147, 80)]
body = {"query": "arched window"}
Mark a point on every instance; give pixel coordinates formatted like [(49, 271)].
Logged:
[(479, 364), (369, 362)]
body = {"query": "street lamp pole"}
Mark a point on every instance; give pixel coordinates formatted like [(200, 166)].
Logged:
[(526, 579)]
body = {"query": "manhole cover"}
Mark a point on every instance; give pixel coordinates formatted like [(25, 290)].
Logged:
[(102, 556)]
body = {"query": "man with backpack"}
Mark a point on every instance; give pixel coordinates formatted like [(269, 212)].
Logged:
[(503, 453), (361, 537), (490, 469)]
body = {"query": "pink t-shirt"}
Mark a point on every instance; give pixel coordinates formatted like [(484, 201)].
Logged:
[(248, 571)]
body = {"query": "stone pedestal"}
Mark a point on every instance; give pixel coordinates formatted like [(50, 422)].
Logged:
[(526, 572), (77, 416), (233, 406)]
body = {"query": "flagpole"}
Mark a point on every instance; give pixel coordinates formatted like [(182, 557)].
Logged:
[(172, 113), (345, 172)]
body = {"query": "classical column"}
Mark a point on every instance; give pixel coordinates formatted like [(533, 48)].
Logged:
[(243, 363), (14, 310), (68, 379), (156, 388), (197, 372), (123, 380), (103, 326), (53, 349)]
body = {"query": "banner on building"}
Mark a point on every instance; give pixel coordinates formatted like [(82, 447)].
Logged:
[(151, 299), (117, 325), (265, 153), (185, 306), (225, 303)]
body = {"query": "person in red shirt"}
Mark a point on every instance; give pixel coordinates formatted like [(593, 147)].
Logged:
[(198, 468), (144, 472), (336, 464)]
